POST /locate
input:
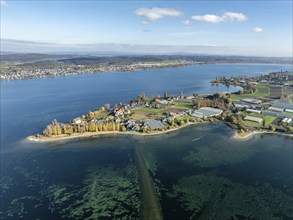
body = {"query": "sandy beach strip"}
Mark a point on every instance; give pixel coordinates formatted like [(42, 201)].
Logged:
[(250, 135), (92, 134)]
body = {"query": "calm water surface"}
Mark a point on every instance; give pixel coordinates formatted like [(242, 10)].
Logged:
[(198, 172)]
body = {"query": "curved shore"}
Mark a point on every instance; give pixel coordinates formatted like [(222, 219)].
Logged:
[(235, 136), (250, 135), (92, 134), (247, 136)]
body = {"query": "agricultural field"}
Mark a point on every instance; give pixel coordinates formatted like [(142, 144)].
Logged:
[(288, 91), (183, 105), (153, 113), (261, 91), (276, 92), (144, 113)]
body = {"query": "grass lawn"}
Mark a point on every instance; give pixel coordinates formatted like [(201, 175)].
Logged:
[(269, 119), (252, 124), (144, 112), (183, 105), (150, 110), (183, 117)]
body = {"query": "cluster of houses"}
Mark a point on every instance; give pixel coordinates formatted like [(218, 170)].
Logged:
[(281, 109), (281, 78), (122, 114)]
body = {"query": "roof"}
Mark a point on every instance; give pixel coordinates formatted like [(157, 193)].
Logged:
[(276, 109), (253, 110), (289, 110), (255, 119), (277, 114), (164, 102), (253, 101), (266, 112), (197, 114), (239, 104), (285, 104), (155, 124), (208, 112)]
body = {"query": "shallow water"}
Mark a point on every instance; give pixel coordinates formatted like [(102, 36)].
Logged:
[(214, 177), (197, 172)]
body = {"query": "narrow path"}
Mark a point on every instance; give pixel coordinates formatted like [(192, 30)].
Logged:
[(150, 209)]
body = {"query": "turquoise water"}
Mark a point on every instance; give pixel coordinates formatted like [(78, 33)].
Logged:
[(198, 172)]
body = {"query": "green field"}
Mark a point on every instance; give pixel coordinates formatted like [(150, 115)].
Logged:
[(180, 118), (268, 119), (261, 91), (144, 112), (252, 124), (183, 105)]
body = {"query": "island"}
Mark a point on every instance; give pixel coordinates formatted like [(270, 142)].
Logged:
[(263, 105)]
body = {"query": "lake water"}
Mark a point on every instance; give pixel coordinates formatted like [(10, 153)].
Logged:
[(198, 172)]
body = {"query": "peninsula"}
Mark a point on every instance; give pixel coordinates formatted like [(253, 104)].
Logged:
[(264, 105)]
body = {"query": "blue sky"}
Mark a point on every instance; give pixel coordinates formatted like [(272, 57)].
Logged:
[(222, 27)]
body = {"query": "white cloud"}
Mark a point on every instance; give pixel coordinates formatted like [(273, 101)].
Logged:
[(2, 2), (257, 29), (185, 22), (228, 16), (152, 14), (208, 18), (232, 16), (211, 45)]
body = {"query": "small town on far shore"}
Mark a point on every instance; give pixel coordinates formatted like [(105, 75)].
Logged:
[(264, 105)]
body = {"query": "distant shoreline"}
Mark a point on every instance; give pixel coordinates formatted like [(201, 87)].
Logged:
[(134, 67)]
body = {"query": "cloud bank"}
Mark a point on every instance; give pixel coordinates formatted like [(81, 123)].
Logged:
[(21, 46)]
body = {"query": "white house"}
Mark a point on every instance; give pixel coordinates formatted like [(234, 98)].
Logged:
[(254, 119), (253, 111), (275, 109)]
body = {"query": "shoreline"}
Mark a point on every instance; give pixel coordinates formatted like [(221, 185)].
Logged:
[(92, 134), (118, 70), (250, 135), (235, 136)]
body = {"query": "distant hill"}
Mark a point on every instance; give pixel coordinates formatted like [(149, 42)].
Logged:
[(90, 59)]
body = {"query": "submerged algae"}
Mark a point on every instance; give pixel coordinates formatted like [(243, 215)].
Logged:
[(107, 193), (208, 196)]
